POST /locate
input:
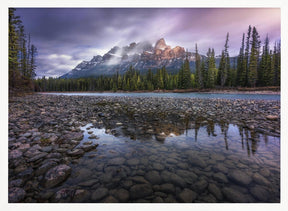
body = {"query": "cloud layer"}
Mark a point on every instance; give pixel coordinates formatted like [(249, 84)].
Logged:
[(64, 37)]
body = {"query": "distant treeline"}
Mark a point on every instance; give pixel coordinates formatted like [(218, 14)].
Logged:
[(253, 69)]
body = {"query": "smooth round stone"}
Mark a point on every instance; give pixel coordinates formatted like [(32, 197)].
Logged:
[(158, 166), (116, 161), (213, 189), (139, 179), (171, 160), (182, 165), (260, 193), (259, 179), (187, 196), (173, 178), (167, 188), (233, 195), (133, 162), (240, 177), (122, 195), (200, 186), (170, 199), (126, 184), (99, 193), (153, 177), (220, 167), (264, 172), (217, 157), (220, 177), (110, 199), (139, 191), (158, 199), (195, 161)]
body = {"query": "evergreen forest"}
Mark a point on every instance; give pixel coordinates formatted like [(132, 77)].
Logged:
[(257, 65)]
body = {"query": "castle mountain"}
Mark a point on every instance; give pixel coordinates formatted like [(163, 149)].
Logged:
[(142, 56)]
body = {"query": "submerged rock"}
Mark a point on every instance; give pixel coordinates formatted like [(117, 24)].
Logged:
[(240, 177), (187, 196), (140, 191), (56, 175), (98, 194)]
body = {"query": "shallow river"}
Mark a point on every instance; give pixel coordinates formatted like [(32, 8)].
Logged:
[(212, 163), (180, 95)]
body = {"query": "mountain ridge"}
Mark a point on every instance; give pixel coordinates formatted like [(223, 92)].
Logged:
[(141, 56)]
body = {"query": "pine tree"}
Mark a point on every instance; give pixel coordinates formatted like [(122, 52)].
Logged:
[(198, 75), (227, 70), (265, 78), (212, 71), (186, 75), (247, 54), (241, 70), (32, 67), (253, 64), (224, 66)]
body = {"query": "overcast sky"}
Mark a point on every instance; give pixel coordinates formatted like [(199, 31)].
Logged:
[(65, 37)]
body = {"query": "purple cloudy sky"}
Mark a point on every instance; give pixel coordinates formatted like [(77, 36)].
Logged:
[(65, 37)]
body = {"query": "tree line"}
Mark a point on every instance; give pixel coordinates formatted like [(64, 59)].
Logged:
[(251, 69), (22, 55)]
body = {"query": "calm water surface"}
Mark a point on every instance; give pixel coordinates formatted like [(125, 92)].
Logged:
[(180, 95), (224, 163)]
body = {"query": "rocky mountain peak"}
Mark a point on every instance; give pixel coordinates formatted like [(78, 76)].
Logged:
[(142, 56), (161, 44)]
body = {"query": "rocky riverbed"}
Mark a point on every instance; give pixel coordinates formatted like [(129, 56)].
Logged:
[(56, 153)]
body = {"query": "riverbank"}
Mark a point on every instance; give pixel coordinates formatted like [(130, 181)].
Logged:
[(258, 90), (45, 129)]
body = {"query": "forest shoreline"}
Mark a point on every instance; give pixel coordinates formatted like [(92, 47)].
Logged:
[(264, 90)]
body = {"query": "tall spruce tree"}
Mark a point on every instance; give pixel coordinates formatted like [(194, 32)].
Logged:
[(247, 54), (241, 74), (224, 66), (211, 69), (186, 74), (265, 78), (276, 64), (198, 74), (254, 58)]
